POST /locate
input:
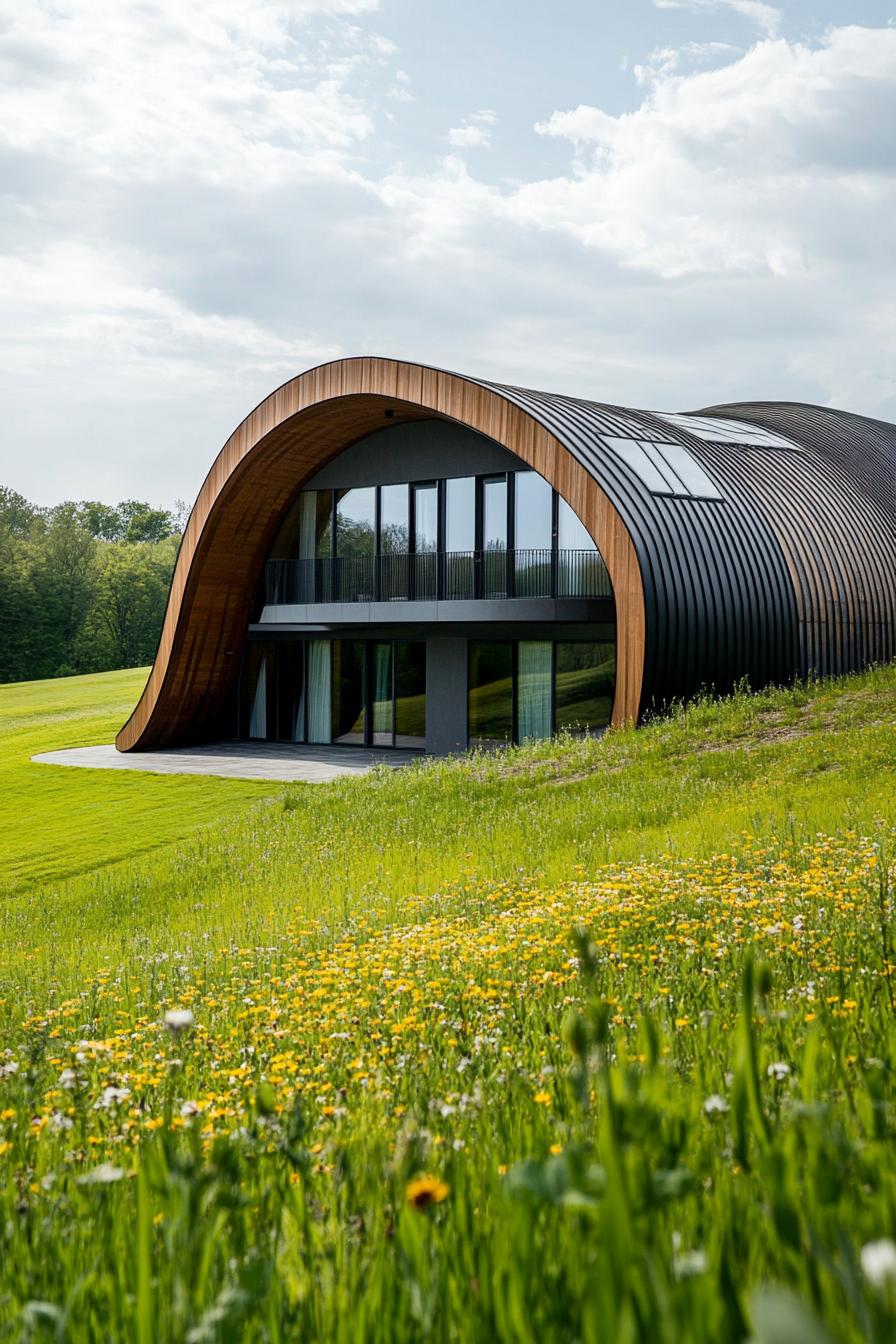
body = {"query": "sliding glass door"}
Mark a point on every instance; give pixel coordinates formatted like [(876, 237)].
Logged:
[(527, 690), (410, 693), (490, 702), (382, 695)]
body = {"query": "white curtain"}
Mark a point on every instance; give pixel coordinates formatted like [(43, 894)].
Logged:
[(258, 721), (298, 727), (307, 545), (382, 695), (319, 691), (534, 689)]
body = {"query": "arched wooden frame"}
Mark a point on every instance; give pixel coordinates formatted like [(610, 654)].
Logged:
[(287, 438)]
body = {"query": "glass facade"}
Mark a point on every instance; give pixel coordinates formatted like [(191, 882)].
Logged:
[(488, 537), (426, 540), (490, 695), (320, 691), (533, 530), (495, 536), (410, 693), (527, 690), (585, 680)]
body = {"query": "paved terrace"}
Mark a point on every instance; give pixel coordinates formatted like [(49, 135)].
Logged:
[(236, 760)]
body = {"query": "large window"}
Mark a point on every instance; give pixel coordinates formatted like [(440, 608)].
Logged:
[(426, 540), (460, 537), (494, 537), (497, 536), (580, 569), (410, 693), (526, 691), (533, 527), (351, 691), (395, 536), (490, 702), (355, 543)]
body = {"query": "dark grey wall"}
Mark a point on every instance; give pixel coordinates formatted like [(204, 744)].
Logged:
[(446, 695), (421, 451)]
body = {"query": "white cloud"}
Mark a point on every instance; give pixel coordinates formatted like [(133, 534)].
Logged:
[(469, 137), (664, 61), (765, 17), (775, 162), (475, 133), (222, 90), (69, 297), (208, 198)]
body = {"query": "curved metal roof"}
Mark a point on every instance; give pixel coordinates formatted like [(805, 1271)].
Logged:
[(789, 571)]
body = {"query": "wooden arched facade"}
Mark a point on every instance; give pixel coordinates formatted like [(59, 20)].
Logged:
[(784, 568)]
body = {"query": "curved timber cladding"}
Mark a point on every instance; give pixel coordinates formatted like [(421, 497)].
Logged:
[(785, 567), (289, 436)]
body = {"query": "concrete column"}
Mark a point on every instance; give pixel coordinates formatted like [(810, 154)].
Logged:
[(446, 695)]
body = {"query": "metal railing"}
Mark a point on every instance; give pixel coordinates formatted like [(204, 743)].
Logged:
[(437, 576)]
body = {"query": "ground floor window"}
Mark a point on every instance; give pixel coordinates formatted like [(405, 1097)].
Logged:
[(356, 692), (524, 690)]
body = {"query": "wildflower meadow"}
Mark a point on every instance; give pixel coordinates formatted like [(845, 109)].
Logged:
[(642, 1096)]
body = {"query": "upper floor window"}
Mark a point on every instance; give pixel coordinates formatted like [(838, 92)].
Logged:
[(495, 536)]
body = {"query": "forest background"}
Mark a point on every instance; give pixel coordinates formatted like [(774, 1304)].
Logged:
[(83, 585)]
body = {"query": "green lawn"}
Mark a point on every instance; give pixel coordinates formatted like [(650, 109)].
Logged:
[(590, 1040), (55, 821)]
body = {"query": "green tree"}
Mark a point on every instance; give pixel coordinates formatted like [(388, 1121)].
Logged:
[(132, 581), (141, 522), (16, 513)]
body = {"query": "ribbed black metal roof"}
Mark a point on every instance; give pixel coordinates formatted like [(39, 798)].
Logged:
[(791, 572)]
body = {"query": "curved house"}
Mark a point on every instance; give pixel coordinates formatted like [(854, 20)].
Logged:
[(392, 555)]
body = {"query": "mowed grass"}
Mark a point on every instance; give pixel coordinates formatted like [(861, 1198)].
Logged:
[(55, 822), (587, 1041), (785, 763)]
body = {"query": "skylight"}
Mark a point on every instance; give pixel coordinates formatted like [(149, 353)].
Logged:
[(665, 468), (715, 429)]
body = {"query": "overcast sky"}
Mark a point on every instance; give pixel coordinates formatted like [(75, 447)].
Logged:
[(663, 203)]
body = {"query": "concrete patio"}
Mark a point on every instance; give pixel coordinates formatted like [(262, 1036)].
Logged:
[(237, 760)]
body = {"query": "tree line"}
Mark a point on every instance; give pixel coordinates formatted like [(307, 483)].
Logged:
[(83, 585)]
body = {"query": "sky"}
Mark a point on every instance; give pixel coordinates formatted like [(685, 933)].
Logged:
[(658, 203)]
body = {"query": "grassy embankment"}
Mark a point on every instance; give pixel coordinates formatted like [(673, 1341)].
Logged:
[(634, 1136)]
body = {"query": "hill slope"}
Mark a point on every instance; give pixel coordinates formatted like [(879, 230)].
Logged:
[(591, 1040)]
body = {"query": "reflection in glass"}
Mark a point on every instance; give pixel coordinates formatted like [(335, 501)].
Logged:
[(533, 529), (315, 542), (394, 543), (426, 540), (348, 691), (290, 691), (319, 689), (460, 537), (253, 691), (494, 538), (355, 543), (460, 514), (381, 687), (394, 532), (258, 721), (534, 659), (585, 680), (410, 694), (356, 521), (572, 534), (490, 695), (579, 566)]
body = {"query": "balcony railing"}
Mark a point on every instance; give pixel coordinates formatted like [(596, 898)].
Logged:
[(437, 576)]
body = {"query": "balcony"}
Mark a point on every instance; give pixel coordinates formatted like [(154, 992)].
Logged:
[(460, 576)]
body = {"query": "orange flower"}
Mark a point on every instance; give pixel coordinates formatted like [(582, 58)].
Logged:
[(426, 1190)]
